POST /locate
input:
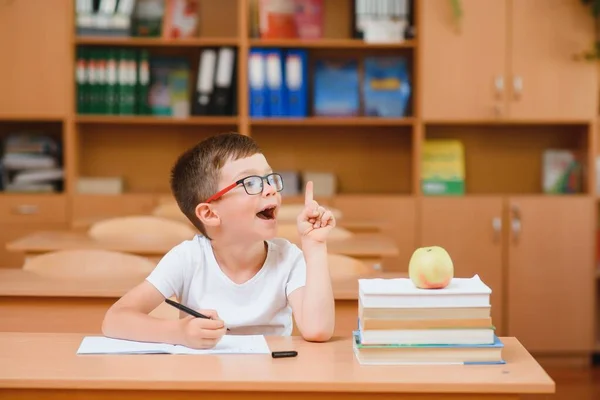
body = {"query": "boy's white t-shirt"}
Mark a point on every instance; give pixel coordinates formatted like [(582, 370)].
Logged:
[(190, 272)]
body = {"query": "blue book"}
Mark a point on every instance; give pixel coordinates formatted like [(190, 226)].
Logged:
[(386, 86), (461, 354), (336, 88)]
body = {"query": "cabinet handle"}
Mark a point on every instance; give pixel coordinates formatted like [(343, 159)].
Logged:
[(515, 223), (517, 87), (497, 226), (499, 85), (26, 209)]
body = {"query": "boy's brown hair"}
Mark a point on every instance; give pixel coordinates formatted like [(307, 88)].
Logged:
[(195, 175)]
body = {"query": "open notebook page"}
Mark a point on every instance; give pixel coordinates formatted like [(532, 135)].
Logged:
[(229, 344)]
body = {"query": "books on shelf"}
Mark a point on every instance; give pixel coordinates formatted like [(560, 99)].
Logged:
[(31, 162), (286, 19), (278, 85), (562, 172), (383, 21), (125, 81), (386, 86), (104, 17), (180, 19), (278, 82), (399, 323), (443, 167), (169, 19), (375, 21), (336, 90)]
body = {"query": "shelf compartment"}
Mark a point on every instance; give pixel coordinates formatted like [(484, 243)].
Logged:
[(141, 154), (502, 159), (374, 161)]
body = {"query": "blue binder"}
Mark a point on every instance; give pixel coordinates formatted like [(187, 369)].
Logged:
[(296, 79), (257, 84), (275, 83)]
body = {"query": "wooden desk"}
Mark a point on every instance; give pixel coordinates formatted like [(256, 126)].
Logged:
[(46, 366), (30, 303), (369, 247)]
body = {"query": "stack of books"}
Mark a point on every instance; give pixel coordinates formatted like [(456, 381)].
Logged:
[(31, 162), (399, 323)]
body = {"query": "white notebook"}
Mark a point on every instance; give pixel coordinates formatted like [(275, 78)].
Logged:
[(229, 344), (402, 292)]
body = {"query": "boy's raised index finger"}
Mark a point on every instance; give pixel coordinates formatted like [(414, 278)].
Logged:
[(308, 197)]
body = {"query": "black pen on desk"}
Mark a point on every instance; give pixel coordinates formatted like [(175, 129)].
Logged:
[(188, 310)]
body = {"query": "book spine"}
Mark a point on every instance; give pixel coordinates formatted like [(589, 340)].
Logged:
[(111, 82), (143, 83)]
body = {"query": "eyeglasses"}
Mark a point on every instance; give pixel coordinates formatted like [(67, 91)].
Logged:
[(253, 185)]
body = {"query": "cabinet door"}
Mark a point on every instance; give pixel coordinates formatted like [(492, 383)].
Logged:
[(34, 41), (551, 280), (463, 72), (546, 82), (470, 230)]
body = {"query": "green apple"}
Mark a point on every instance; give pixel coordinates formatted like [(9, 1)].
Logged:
[(431, 268)]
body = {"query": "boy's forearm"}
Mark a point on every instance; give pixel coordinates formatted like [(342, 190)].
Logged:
[(124, 323), (318, 306)]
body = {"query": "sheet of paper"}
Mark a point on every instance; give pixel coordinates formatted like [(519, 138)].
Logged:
[(232, 344), (229, 344)]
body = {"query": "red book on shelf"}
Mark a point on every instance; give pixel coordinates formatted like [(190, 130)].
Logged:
[(309, 19), (277, 19), (180, 19)]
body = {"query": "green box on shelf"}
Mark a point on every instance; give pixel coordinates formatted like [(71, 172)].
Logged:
[(434, 187)]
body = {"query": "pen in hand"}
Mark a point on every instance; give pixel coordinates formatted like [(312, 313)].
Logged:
[(187, 310)]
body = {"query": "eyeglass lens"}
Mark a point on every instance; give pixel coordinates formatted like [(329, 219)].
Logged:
[(254, 184)]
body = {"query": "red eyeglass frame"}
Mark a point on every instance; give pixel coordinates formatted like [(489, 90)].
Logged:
[(225, 190)]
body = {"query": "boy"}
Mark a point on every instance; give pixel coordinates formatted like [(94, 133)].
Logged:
[(236, 272)]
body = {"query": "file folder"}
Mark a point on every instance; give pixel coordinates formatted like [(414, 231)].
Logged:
[(224, 81), (296, 78), (201, 105), (275, 83), (257, 84)]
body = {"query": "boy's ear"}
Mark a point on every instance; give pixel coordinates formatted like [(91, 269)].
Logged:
[(207, 215)]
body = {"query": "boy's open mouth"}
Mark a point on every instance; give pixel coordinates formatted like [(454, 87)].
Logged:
[(267, 213)]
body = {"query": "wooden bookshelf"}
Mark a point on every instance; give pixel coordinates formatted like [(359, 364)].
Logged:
[(156, 42), (331, 44), (328, 121), (154, 120), (528, 245)]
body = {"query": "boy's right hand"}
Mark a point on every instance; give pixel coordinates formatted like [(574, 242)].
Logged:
[(201, 333)]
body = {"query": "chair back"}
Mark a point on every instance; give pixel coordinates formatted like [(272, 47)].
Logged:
[(89, 264)]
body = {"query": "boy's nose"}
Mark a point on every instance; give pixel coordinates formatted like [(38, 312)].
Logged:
[(268, 190)]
